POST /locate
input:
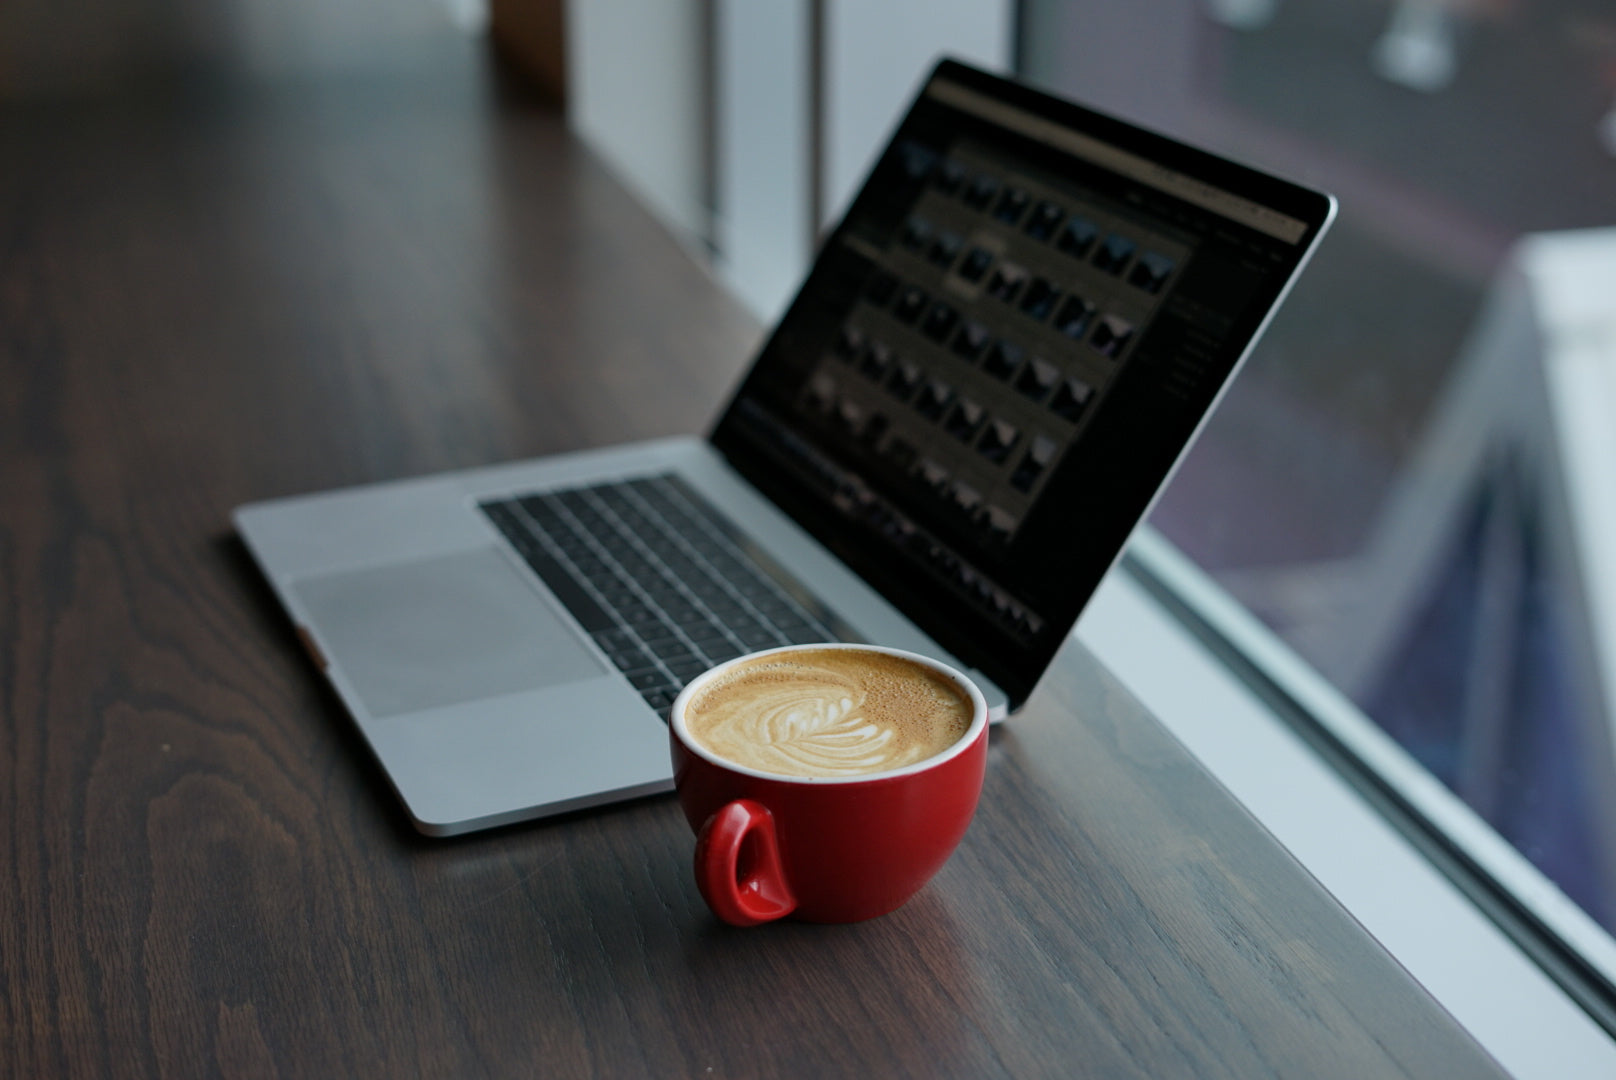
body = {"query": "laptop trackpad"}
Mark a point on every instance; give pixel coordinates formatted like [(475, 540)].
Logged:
[(452, 628)]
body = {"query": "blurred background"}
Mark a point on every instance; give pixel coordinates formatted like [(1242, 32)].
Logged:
[(1394, 485)]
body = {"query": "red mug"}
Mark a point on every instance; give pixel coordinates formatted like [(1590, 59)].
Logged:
[(824, 849)]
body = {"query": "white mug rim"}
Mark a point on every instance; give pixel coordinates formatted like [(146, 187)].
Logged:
[(979, 715)]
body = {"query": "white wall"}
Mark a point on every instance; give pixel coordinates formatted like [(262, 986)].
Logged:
[(634, 87), (761, 230), (876, 56)]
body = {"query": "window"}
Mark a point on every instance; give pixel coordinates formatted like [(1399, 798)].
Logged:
[(1411, 484)]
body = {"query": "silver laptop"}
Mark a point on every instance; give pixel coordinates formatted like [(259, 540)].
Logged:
[(991, 370)]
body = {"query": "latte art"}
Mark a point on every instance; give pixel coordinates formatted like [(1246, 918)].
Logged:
[(829, 712)]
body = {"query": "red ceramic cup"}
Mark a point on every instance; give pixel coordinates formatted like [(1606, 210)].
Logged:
[(824, 849)]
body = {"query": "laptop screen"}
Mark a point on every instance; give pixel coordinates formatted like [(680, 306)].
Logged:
[(1002, 351)]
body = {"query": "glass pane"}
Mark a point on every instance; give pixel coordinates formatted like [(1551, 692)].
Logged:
[(1395, 484)]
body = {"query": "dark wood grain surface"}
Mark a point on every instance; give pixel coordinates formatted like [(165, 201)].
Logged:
[(224, 293)]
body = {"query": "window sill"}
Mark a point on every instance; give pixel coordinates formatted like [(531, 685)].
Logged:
[(1489, 984)]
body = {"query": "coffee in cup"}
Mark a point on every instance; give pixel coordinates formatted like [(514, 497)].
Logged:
[(825, 782), (829, 713)]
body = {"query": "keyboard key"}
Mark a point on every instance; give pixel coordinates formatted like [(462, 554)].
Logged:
[(631, 659), (614, 639), (674, 653), (704, 636), (650, 679), (790, 622), (660, 700), (640, 617), (760, 639), (662, 642), (685, 670)]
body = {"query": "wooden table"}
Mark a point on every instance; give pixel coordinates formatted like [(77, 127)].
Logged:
[(245, 292)]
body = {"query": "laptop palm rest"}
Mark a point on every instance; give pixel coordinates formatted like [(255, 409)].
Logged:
[(453, 628)]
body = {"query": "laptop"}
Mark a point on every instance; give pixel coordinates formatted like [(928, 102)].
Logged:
[(988, 375)]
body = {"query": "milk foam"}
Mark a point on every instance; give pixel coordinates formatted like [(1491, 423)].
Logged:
[(830, 712)]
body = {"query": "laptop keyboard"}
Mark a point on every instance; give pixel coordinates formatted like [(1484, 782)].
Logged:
[(661, 581)]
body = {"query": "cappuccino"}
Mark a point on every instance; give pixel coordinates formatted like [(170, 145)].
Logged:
[(828, 712)]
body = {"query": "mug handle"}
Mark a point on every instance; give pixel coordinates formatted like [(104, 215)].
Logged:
[(738, 865)]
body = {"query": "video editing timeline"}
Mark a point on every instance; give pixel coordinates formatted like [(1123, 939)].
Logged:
[(991, 326)]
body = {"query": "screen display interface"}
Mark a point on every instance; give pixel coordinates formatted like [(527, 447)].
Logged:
[(1002, 351)]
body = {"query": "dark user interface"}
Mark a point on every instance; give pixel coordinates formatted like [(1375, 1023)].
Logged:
[(997, 358)]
